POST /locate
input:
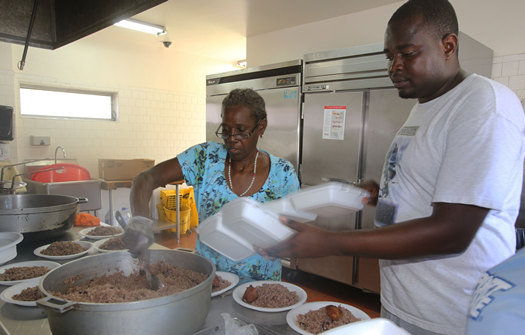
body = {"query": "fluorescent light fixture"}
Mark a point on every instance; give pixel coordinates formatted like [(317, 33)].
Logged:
[(144, 27), (241, 64)]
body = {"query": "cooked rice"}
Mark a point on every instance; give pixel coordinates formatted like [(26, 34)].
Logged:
[(63, 248), (104, 231), (117, 287), (115, 243), (23, 272), (274, 296), (29, 294), (318, 321)]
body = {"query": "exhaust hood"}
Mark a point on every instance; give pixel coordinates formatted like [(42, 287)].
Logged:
[(59, 22)]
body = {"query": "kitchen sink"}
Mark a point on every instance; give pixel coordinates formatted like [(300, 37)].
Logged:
[(89, 189), (33, 166)]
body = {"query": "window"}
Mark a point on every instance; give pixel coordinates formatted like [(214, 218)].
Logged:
[(65, 103)]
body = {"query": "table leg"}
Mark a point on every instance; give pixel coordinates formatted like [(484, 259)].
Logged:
[(178, 212), (111, 214)]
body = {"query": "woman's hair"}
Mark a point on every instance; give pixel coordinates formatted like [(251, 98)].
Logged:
[(246, 97), (438, 15)]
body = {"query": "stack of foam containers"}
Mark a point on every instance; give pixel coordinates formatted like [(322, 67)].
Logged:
[(244, 223)]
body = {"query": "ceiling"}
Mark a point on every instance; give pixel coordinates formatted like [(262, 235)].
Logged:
[(218, 28)]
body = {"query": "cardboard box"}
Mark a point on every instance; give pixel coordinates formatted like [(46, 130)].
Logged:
[(122, 169)]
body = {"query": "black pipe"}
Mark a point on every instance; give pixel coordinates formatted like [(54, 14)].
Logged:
[(22, 63)]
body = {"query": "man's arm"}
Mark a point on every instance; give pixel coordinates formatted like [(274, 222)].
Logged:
[(449, 230)]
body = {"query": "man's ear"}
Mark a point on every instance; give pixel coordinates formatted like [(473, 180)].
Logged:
[(450, 45)]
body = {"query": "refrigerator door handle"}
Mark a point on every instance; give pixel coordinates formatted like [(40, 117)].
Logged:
[(340, 180)]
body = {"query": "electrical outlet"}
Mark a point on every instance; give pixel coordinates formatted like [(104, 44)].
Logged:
[(40, 140)]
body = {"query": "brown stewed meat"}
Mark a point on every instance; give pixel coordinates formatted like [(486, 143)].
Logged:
[(219, 283), (23, 272), (104, 231), (117, 287), (63, 248), (29, 294)]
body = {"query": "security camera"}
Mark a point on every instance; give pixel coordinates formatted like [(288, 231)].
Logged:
[(166, 44)]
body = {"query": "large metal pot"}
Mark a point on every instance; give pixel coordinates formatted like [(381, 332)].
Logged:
[(42, 215), (182, 313)]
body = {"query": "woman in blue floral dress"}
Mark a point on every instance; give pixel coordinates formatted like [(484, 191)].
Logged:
[(222, 172)]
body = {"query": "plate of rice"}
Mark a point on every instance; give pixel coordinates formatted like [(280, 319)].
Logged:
[(223, 282), (101, 232), (110, 244), (317, 317), (23, 294), (61, 250), (16, 273), (269, 296)]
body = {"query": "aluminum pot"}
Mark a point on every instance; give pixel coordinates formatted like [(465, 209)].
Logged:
[(181, 313), (42, 215)]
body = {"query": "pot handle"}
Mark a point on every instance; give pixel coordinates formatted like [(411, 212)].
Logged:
[(56, 305), (82, 200)]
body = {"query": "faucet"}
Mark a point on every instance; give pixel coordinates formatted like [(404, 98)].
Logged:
[(63, 153)]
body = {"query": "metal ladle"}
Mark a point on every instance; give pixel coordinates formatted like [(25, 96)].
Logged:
[(138, 236)]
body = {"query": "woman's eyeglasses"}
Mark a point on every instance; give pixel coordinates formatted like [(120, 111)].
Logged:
[(236, 136)]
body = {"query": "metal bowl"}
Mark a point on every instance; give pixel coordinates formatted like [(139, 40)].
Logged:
[(181, 313), (44, 215)]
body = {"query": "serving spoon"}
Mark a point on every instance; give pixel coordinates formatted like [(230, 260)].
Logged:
[(138, 237)]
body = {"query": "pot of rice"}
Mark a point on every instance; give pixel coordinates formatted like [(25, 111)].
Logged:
[(182, 312)]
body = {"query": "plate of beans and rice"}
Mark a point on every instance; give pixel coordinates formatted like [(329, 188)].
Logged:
[(16, 273), (61, 250), (23, 294), (223, 282), (101, 232), (269, 296), (110, 244), (320, 316)]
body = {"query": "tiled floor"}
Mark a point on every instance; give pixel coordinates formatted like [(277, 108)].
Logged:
[(317, 288)]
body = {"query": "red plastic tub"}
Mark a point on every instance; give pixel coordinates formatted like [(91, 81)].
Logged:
[(61, 172)]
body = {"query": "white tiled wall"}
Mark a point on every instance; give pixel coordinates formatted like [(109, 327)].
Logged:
[(510, 71), (153, 124)]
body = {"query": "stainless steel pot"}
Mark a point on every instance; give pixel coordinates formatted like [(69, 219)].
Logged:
[(182, 313), (42, 214)]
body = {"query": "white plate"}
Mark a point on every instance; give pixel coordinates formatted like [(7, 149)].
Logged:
[(291, 317), (48, 264), (238, 292), (8, 293), (231, 277), (98, 243), (85, 244), (85, 233), (8, 245)]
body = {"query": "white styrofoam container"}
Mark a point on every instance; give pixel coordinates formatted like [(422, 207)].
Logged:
[(377, 326), (329, 199), (284, 207), (239, 226)]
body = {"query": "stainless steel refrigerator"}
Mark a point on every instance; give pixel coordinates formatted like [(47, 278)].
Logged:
[(280, 86)]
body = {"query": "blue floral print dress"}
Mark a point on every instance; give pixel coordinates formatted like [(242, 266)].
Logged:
[(203, 168)]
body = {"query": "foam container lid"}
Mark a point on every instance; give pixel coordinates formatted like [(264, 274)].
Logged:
[(240, 225), (284, 207), (328, 199)]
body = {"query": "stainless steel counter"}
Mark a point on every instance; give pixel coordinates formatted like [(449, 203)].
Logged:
[(20, 320)]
